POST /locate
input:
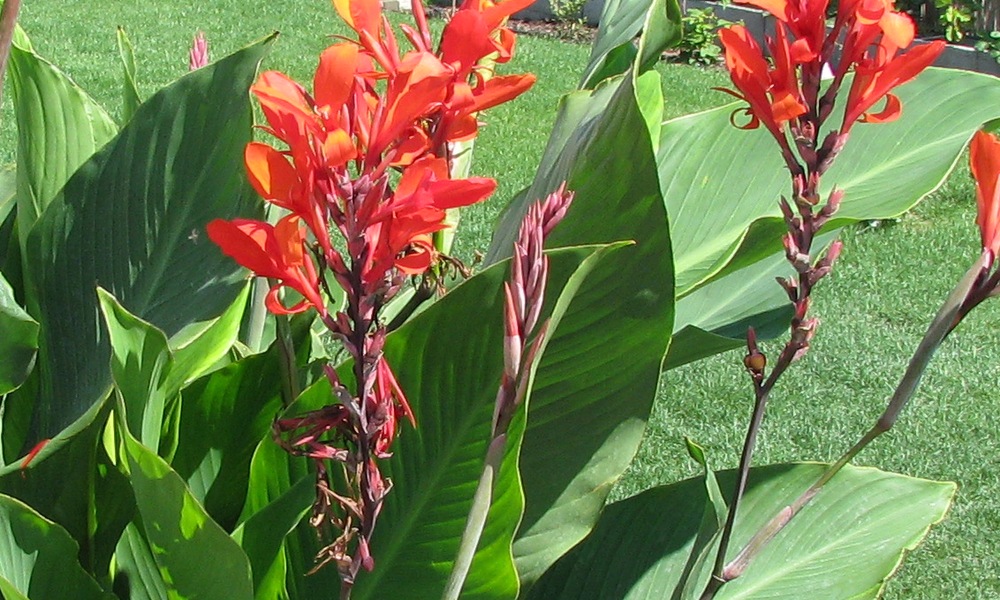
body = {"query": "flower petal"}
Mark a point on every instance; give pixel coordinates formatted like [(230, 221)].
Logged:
[(270, 173)]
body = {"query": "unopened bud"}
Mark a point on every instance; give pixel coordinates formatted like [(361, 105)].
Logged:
[(799, 260), (790, 286), (755, 362), (833, 202)]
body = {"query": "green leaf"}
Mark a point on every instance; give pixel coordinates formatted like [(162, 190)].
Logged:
[(132, 221), (721, 184), (201, 346), (263, 534), (845, 544), (196, 558), (449, 359), (621, 22), (38, 559), (60, 483), (58, 128), (18, 340), (600, 371), (140, 366), (10, 244), (130, 91), (225, 416), (715, 317), (273, 473), (137, 576)]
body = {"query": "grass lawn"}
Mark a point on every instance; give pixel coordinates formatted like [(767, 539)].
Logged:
[(874, 307)]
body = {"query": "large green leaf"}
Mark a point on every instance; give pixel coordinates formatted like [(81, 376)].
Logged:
[(613, 51), (141, 365), (10, 243), (58, 127), (273, 474), (18, 340), (715, 317), (844, 544), (596, 383), (263, 534), (60, 482), (131, 220), (137, 576), (149, 377), (225, 416), (196, 558), (38, 559), (721, 184), (448, 359)]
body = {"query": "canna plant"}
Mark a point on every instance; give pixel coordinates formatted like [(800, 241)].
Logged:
[(374, 112), (396, 468)]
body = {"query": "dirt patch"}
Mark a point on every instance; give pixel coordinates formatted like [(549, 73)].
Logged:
[(577, 33)]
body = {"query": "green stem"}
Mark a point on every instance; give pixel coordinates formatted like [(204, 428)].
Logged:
[(258, 316), (477, 519), (286, 348), (944, 322)]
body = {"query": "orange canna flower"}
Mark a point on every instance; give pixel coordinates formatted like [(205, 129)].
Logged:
[(276, 252), (772, 93), (875, 77), (398, 231), (805, 18), (469, 35), (459, 122), (361, 15), (415, 90), (984, 158)]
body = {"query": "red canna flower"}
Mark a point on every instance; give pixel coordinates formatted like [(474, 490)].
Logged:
[(418, 88), (276, 252), (373, 112), (398, 231), (877, 75), (771, 92), (984, 158), (469, 35), (805, 18)]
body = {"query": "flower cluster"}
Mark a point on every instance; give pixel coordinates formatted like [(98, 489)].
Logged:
[(366, 156), (786, 93), (789, 97)]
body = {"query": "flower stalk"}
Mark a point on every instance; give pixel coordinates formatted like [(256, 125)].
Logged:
[(368, 160), (524, 297), (786, 95)]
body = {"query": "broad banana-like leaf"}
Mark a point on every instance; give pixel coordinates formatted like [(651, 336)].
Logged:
[(58, 128), (721, 186), (845, 544), (18, 340), (39, 559), (131, 220)]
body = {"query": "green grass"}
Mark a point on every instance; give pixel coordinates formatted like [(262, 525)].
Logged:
[(874, 307)]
